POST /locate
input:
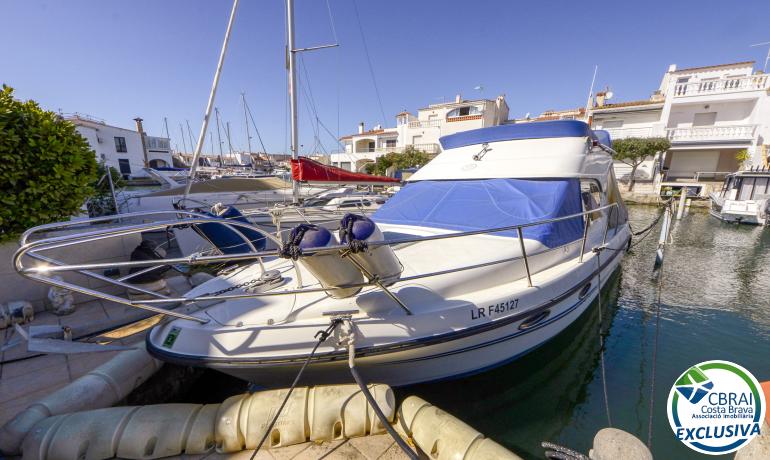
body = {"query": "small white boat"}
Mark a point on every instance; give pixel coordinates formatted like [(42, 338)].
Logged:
[(744, 198)]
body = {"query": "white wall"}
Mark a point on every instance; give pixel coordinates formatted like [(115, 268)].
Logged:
[(101, 138)]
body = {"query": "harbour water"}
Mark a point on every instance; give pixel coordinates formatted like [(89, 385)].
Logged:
[(715, 305)]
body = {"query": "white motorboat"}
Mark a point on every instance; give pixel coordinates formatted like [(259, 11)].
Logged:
[(468, 298), (744, 198), (489, 251)]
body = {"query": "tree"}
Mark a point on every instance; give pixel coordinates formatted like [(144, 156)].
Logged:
[(634, 150), (409, 158), (46, 166), (742, 156)]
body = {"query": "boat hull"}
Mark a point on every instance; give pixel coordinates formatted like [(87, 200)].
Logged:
[(431, 359)]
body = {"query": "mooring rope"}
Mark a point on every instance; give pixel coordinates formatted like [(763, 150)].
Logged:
[(321, 335), (654, 355), (601, 340)]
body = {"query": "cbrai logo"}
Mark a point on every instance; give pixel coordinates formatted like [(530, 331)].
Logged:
[(716, 407)]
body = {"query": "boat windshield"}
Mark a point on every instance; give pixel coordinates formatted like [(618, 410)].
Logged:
[(467, 205)]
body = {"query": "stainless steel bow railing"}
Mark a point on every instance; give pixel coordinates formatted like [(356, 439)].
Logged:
[(43, 273)]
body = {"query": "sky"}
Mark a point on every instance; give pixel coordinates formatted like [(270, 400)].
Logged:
[(117, 60)]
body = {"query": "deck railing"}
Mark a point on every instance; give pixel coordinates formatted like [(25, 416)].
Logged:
[(43, 272), (712, 133), (722, 85), (426, 123)]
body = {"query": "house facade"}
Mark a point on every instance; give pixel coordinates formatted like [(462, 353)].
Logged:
[(709, 114), (421, 131), (122, 148)]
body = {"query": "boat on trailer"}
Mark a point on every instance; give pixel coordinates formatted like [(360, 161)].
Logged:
[(489, 251), (744, 198)]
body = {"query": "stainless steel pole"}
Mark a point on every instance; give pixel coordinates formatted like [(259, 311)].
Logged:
[(212, 95), (292, 92)]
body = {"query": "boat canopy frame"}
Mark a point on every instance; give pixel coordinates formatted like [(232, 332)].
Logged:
[(44, 273)]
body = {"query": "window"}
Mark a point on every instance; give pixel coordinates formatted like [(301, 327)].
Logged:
[(592, 198), (747, 188), (120, 144), (345, 165), (464, 111), (124, 165), (761, 188), (390, 143), (610, 124), (704, 119)]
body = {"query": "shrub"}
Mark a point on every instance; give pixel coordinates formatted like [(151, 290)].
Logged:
[(46, 166), (410, 157)]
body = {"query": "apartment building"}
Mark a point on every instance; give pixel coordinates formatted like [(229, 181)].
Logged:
[(421, 131), (709, 114), (122, 148)]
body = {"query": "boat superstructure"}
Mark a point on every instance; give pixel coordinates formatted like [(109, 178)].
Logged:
[(500, 243), (744, 198)]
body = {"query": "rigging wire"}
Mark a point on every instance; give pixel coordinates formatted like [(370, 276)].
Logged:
[(337, 67), (369, 62)]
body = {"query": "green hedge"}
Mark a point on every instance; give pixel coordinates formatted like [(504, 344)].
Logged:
[(46, 166)]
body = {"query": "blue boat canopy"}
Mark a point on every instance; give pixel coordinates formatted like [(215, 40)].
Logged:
[(518, 131), (468, 205)]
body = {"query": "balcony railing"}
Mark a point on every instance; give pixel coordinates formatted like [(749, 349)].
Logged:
[(425, 124), (712, 133), (622, 133), (427, 148), (722, 85)]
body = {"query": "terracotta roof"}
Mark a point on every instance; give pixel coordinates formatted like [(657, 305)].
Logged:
[(403, 113), (369, 133), (718, 66), (627, 104)]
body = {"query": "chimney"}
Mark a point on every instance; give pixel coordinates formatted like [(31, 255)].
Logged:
[(361, 128), (140, 130), (600, 98), (458, 98), (672, 68)]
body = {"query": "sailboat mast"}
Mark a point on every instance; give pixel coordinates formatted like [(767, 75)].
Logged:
[(229, 142), (184, 143), (246, 120), (291, 50), (219, 135), (212, 96)]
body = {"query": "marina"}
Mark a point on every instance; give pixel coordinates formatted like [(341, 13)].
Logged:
[(457, 282)]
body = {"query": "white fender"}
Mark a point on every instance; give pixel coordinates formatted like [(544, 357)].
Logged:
[(322, 413), (442, 436), (102, 387)]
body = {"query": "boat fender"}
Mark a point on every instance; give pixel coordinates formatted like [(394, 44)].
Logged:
[(442, 436), (357, 231), (101, 387), (322, 414), (330, 269)]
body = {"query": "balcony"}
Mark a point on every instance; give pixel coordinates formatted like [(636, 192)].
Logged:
[(722, 86), (425, 124), (712, 133), (427, 148), (622, 133)]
